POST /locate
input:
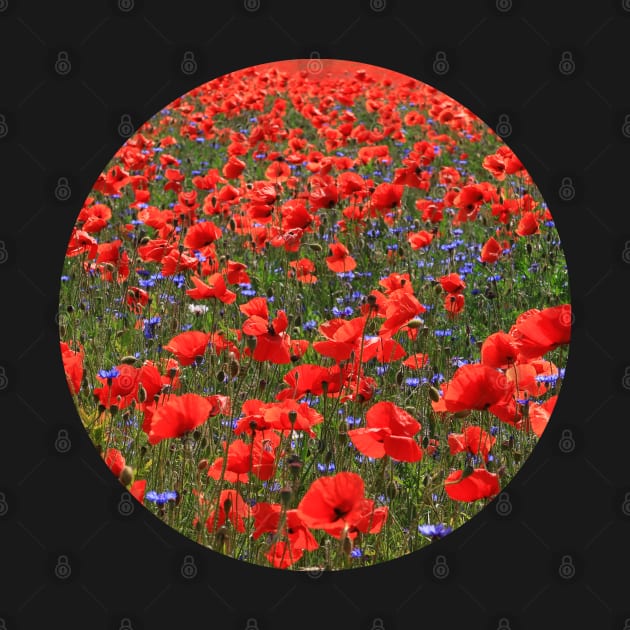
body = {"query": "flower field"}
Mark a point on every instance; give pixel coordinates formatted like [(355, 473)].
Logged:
[(314, 319)]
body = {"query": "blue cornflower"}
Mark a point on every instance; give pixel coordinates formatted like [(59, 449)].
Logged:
[(435, 532), (412, 381), (113, 373), (443, 333), (162, 497), (149, 326), (352, 420), (494, 430), (246, 289), (356, 552), (324, 468), (311, 324)]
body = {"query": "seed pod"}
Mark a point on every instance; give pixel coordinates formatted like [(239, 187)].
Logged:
[(126, 475)]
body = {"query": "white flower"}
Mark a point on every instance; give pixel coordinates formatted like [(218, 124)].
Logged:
[(197, 309)]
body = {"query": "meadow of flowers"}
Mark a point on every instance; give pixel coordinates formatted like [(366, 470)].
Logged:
[(314, 319)]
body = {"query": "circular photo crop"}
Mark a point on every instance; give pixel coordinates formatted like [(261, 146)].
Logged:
[(314, 315)]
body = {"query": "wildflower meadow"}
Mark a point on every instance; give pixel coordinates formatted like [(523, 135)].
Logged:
[(314, 319)]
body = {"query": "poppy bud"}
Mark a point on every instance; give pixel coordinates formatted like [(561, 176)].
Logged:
[(128, 360), (202, 465), (126, 475), (316, 247), (144, 240), (292, 416), (415, 323), (285, 496), (234, 367), (269, 292), (113, 409), (434, 394), (371, 300), (251, 342), (221, 376), (399, 377), (462, 414)]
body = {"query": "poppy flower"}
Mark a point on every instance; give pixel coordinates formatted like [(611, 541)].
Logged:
[(137, 490), (479, 386), (340, 260), (201, 234), (538, 414), (115, 461), (540, 331), (472, 440), (499, 350), (452, 283), (282, 555), (236, 273), (176, 416), (303, 270), (491, 251), (232, 507), (308, 379), (73, 366), (387, 196), (389, 431), (416, 361), (136, 299), (342, 337), (291, 415), (233, 167), (479, 484), (188, 346), (272, 343), (528, 225), (454, 303), (214, 287), (418, 240), (401, 308), (336, 504)]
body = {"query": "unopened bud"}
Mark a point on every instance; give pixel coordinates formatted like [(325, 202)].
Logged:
[(126, 475), (434, 394)]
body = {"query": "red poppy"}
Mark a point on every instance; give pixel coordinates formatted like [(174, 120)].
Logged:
[(418, 240), (231, 507), (136, 299), (479, 484), (282, 555), (389, 431), (308, 379), (416, 361), (454, 303), (472, 440), (499, 350), (479, 386), (540, 331), (201, 234), (340, 259), (452, 283), (342, 337), (491, 250), (387, 196), (115, 461), (176, 416), (137, 490), (539, 414), (188, 346), (401, 308), (528, 225), (233, 167), (303, 270), (278, 171), (337, 504), (73, 366), (272, 343), (291, 415), (214, 287)]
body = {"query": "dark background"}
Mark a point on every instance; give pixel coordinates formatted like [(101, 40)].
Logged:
[(557, 556)]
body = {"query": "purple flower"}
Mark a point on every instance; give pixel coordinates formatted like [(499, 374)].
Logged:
[(436, 531)]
